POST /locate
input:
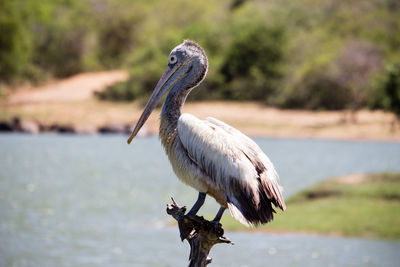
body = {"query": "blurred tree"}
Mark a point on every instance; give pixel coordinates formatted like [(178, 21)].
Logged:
[(15, 41), (116, 39), (252, 66), (318, 89), (338, 80), (391, 88), (118, 23), (355, 67), (63, 41)]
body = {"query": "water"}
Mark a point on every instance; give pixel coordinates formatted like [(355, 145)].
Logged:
[(94, 201)]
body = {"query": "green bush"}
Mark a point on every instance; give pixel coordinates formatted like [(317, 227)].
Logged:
[(252, 66), (318, 89), (61, 51), (63, 37), (117, 39), (15, 42), (338, 81), (387, 95)]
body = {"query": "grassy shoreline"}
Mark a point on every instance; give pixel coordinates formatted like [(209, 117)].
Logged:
[(357, 205)]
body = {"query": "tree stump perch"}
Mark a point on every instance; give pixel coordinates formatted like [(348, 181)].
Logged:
[(201, 234)]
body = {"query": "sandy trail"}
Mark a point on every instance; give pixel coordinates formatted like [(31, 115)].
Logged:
[(75, 88)]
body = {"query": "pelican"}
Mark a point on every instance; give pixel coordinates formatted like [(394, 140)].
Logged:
[(209, 155)]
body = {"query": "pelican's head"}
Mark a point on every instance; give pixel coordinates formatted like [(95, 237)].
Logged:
[(186, 68)]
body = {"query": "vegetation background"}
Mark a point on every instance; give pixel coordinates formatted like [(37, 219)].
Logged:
[(308, 54)]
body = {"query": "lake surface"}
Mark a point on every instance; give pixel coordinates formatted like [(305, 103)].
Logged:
[(95, 201)]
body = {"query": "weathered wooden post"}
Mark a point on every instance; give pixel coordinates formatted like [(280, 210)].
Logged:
[(201, 234)]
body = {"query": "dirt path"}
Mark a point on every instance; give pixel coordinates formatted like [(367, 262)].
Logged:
[(71, 102), (75, 88)]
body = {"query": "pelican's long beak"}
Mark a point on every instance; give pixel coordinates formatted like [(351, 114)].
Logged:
[(155, 97)]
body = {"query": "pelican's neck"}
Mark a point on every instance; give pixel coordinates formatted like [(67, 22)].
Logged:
[(171, 111), (173, 104), (172, 108)]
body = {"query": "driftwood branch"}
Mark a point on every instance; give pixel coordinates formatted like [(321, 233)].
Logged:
[(201, 234)]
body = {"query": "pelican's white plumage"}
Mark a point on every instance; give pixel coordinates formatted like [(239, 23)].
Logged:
[(226, 156), (210, 155)]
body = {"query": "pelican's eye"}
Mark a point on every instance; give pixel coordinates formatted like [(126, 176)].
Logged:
[(172, 59)]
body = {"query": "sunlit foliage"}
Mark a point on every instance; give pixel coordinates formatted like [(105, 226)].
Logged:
[(294, 54)]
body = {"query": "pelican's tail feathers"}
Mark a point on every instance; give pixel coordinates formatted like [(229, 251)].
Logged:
[(250, 209), (237, 214)]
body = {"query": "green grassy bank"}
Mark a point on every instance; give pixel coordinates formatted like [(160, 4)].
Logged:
[(357, 205)]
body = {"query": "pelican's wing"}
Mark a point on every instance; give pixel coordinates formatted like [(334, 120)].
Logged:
[(265, 168), (235, 164)]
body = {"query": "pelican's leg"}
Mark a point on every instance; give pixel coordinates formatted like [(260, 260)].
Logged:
[(219, 214), (185, 227), (199, 202)]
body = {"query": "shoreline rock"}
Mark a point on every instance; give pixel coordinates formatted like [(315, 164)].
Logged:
[(33, 127)]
